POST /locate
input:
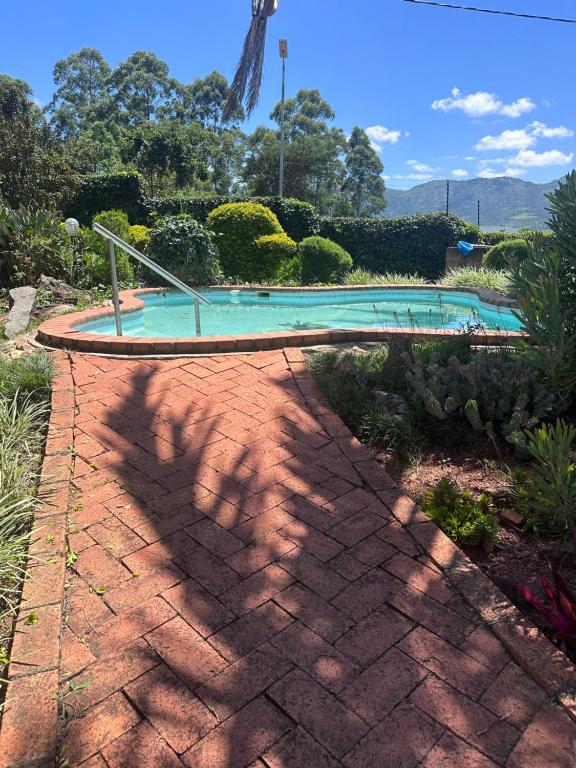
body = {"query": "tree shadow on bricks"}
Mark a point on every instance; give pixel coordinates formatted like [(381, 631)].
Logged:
[(241, 596)]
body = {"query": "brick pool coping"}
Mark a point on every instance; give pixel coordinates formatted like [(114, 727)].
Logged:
[(35, 666), (61, 331)]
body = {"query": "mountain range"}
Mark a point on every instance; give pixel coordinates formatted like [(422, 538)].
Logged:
[(505, 203)]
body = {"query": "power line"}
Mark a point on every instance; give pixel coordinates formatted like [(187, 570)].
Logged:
[(519, 15)]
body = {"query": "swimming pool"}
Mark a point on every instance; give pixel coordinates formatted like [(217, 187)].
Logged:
[(171, 314)]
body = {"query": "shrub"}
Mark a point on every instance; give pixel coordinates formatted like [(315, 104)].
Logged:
[(323, 261), (29, 375), (105, 191), (559, 610), (469, 277), (408, 244), (270, 252), (563, 226), (297, 218), (466, 520), (32, 242), (185, 248), (290, 273), (96, 249), (237, 226), (504, 254), (139, 237), (493, 238), (361, 276)]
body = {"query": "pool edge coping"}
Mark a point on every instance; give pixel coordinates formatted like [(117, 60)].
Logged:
[(61, 331)]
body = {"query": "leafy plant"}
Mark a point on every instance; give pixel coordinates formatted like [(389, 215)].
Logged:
[(563, 225), (551, 351), (547, 496), (185, 248), (139, 237), (29, 375), (380, 428), (96, 249), (465, 519), (32, 242), (469, 277), (506, 253), (236, 227), (323, 261), (559, 612)]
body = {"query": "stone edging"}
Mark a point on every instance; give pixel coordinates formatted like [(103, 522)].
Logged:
[(546, 664), (29, 725), (61, 331)]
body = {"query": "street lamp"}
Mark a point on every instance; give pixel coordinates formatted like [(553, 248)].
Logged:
[(72, 227), (283, 48)]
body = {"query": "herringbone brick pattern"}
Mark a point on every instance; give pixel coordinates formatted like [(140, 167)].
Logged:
[(242, 596)]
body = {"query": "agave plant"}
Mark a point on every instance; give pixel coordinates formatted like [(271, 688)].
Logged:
[(249, 72), (559, 612)]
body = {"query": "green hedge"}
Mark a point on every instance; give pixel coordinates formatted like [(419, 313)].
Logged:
[(501, 256), (106, 191), (323, 261), (408, 244), (298, 219)]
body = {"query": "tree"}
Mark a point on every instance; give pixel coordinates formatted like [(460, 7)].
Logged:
[(364, 185), (203, 101), (81, 94), (314, 170), (96, 149), (142, 88), (33, 169)]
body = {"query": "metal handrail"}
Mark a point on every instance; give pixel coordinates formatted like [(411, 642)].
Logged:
[(113, 239)]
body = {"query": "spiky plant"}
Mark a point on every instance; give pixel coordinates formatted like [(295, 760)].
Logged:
[(248, 75)]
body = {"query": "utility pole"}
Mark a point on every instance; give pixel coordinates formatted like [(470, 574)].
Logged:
[(478, 214), (447, 196), (283, 47)]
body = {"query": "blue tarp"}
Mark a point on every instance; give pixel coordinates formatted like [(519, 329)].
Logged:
[(465, 248)]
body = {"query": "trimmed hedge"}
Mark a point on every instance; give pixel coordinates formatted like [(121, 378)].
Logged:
[(105, 191), (298, 219), (323, 261), (501, 255), (408, 244), (236, 226)]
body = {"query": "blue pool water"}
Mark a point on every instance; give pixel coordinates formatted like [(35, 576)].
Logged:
[(172, 314)]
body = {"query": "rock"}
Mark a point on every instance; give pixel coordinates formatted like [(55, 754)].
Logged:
[(346, 365), (54, 310), (58, 287), (391, 402), (510, 516), (23, 303)]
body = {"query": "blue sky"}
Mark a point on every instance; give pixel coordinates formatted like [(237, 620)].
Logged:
[(443, 93)]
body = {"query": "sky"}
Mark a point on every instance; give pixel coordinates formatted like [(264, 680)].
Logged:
[(442, 93)]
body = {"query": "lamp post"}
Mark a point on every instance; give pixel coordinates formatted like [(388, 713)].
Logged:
[(283, 48), (72, 228)]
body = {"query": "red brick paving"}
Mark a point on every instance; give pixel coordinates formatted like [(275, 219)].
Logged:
[(245, 597)]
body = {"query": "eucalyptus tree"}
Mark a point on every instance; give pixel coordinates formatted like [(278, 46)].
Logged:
[(142, 88), (82, 92), (363, 185), (203, 101)]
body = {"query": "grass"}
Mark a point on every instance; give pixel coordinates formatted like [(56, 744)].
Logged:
[(24, 410), (365, 277), (469, 277)]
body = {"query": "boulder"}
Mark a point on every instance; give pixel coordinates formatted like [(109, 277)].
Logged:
[(58, 287), (22, 303)]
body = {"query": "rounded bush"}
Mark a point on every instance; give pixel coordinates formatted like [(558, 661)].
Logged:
[(323, 261), (236, 227), (270, 252), (183, 246), (501, 255)]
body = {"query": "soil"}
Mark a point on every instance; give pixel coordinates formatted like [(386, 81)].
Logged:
[(517, 556)]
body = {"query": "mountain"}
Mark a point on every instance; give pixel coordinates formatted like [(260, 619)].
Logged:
[(505, 203)]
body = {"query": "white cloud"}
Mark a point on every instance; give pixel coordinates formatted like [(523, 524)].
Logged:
[(490, 173), (482, 103), (414, 176), (379, 135), (541, 129), (460, 173), (420, 167), (518, 139), (530, 159)]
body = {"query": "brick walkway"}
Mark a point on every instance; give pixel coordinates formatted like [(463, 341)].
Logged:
[(244, 596)]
